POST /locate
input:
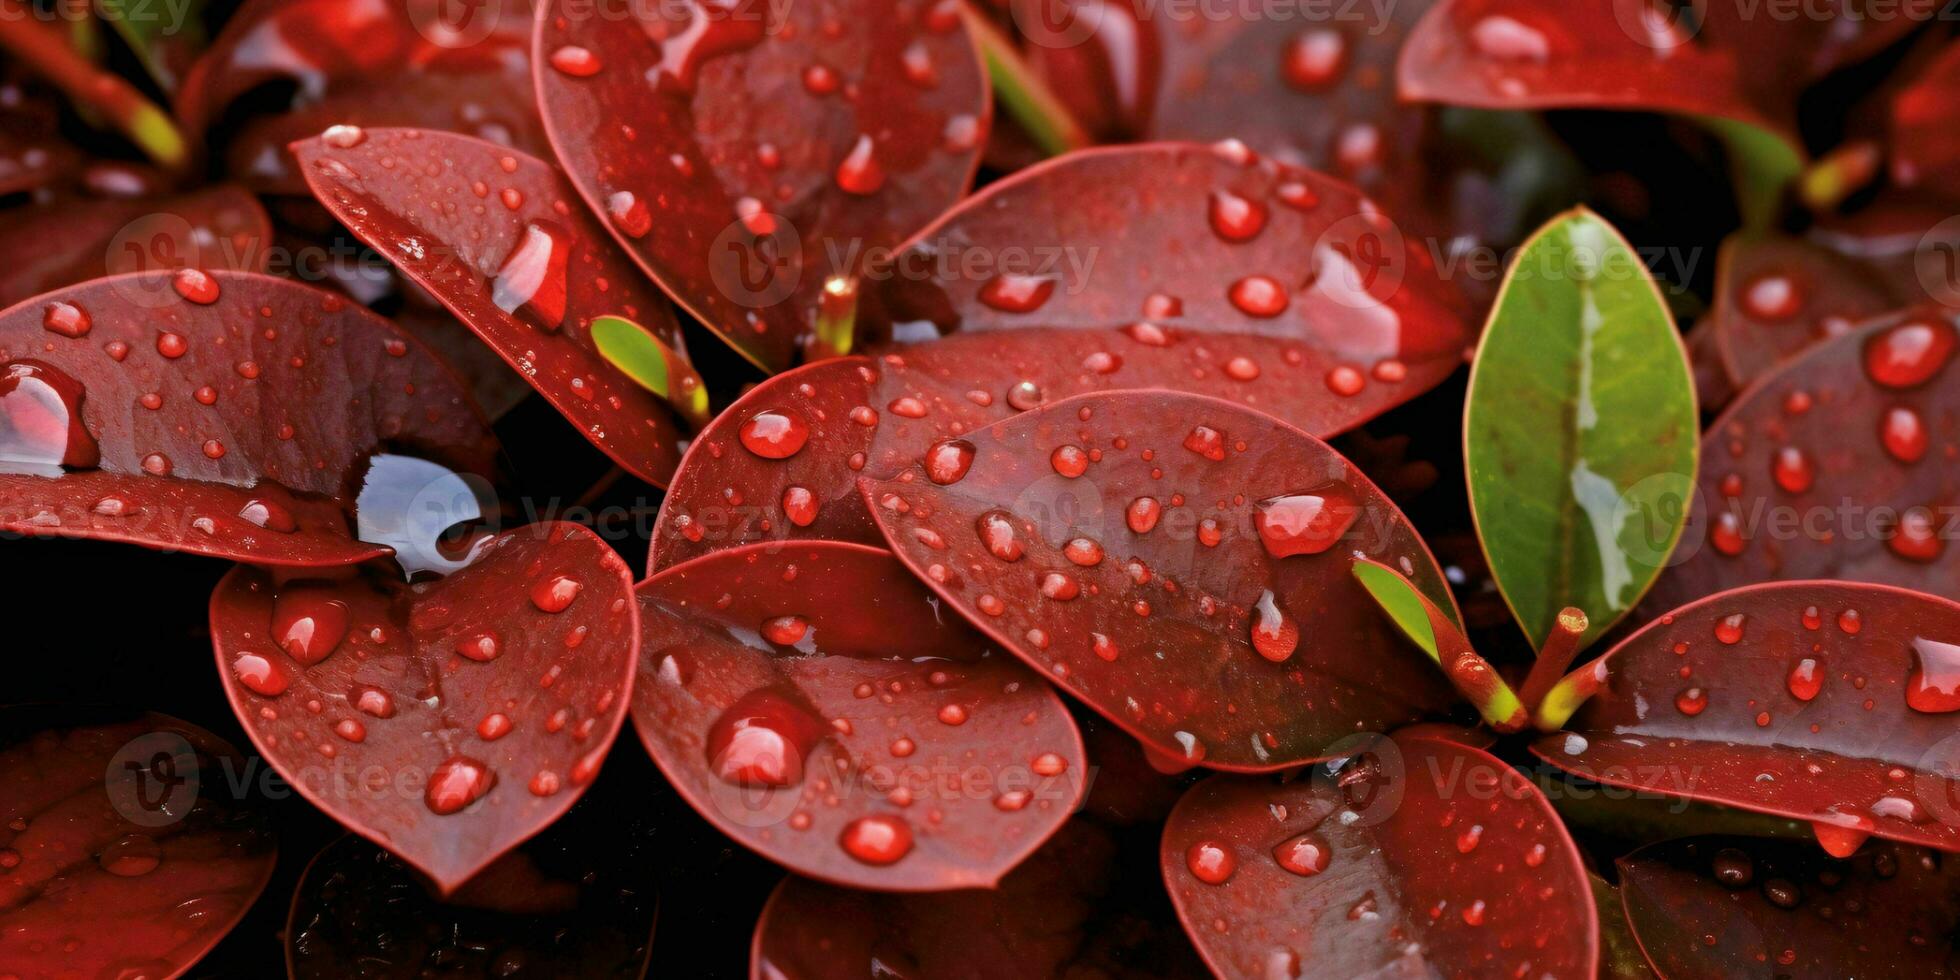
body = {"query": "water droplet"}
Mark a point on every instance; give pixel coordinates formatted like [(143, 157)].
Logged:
[(1305, 855), (1772, 297), (799, 505), (1473, 913), (948, 460), (576, 61), (494, 726), (1207, 442), (785, 631), (996, 531), (1909, 354), (763, 739), (1470, 838), (860, 173), (1691, 701), (1083, 552), (532, 280), (554, 593), (1069, 461), (308, 623), (481, 647), (878, 839), (1274, 634), (1049, 764), (374, 701), (1725, 533), (456, 783), (1728, 629), (1235, 218), (1903, 435), (65, 319), (629, 214), (343, 136), (1805, 680), (952, 714), (775, 433), (1916, 536), (130, 856), (1792, 469), (195, 285), (1013, 293), (1308, 522), (1733, 868), (1507, 39), (1210, 862), (41, 418), (1258, 296), (1933, 686), (261, 674), (1314, 59)]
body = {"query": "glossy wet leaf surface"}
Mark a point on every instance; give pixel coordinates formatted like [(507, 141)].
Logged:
[(1224, 241), (560, 906), (1414, 856), (1829, 702), (447, 721), (1834, 466), (817, 705), (778, 146), (499, 238), (69, 241), (1178, 563), (1579, 430), (1779, 296), (1786, 909), (217, 413), (463, 67), (122, 849)]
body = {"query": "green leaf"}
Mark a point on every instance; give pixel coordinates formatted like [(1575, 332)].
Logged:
[(1762, 165), (1399, 600), (1580, 432), (640, 355)]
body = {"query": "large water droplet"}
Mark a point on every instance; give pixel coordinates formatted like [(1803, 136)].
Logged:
[(878, 839), (308, 622), (860, 173), (947, 461), (456, 783), (1933, 686), (532, 282), (41, 428), (1274, 633), (775, 433), (1308, 522), (1909, 354), (1305, 855), (1210, 862), (763, 739), (1314, 59)]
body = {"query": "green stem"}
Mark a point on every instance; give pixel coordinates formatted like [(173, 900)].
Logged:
[(47, 52), (1022, 92), (836, 331)]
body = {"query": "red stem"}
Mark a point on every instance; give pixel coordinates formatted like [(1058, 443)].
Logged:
[(46, 51), (1556, 657)]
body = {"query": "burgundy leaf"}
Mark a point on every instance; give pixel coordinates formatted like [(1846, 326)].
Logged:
[(1738, 906), (67, 241), (1620, 957), (1705, 59), (816, 704), (1821, 701), (1413, 857), (32, 151), (1925, 148), (746, 152), (1224, 242), (890, 408), (1713, 388), (1832, 466), (221, 413), (124, 851), (510, 254), (1179, 563), (1905, 237), (447, 721), (559, 907), (461, 66), (1776, 297)]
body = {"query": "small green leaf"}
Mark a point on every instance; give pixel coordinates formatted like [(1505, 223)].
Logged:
[(1440, 636), (1399, 600), (640, 355), (1762, 164), (1580, 432)]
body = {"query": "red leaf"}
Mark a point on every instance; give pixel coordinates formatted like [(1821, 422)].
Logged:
[(1708, 59), (1057, 914), (1416, 856), (1925, 149), (1818, 701), (560, 906), (446, 721), (1829, 467), (32, 151), (124, 849), (270, 402), (1786, 908), (1224, 243), (741, 126), (463, 67), (1217, 625), (503, 206), (812, 701), (1776, 297), (68, 241)]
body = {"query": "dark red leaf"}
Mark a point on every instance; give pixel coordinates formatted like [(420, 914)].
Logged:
[(124, 848), (1905, 236), (1065, 911), (1225, 242), (728, 496), (1832, 466), (1925, 148), (733, 146), (508, 233), (241, 427), (564, 908), (32, 152), (1414, 857), (1713, 389), (1739, 906), (461, 66), (1707, 59), (816, 704), (446, 721), (1179, 563), (67, 241), (1821, 701), (1776, 297)]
